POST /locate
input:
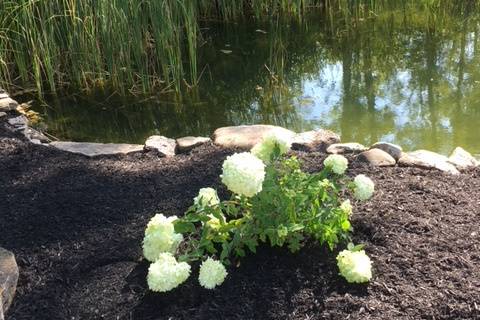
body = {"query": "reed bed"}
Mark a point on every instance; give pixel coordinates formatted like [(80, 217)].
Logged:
[(127, 46)]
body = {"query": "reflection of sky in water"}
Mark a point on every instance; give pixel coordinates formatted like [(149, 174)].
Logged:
[(325, 93), (420, 102), (322, 95)]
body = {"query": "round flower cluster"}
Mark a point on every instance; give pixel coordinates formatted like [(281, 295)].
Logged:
[(354, 266), (363, 187), (337, 163), (212, 273), (160, 237), (264, 150), (243, 174), (166, 273), (346, 207), (207, 197)]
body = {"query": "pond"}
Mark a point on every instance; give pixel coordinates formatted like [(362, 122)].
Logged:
[(399, 75)]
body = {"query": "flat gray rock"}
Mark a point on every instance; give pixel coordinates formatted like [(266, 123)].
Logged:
[(427, 159), (247, 136), (91, 149), (8, 280), (315, 140), (462, 159), (8, 104), (19, 123), (186, 144), (33, 134), (377, 158), (163, 145), (2, 114), (392, 149), (349, 147)]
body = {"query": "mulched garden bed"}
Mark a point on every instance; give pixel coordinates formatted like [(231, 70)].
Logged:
[(76, 226)]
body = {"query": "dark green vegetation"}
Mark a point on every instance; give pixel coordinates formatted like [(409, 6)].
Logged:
[(402, 71), (125, 45)]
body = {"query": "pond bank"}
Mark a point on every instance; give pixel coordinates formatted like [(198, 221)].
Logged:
[(245, 137), (75, 224)]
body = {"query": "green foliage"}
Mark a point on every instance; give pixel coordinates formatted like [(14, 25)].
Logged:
[(125, 45), (292, 206)]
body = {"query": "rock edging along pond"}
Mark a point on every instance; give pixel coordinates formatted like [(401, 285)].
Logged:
[(244, 137)]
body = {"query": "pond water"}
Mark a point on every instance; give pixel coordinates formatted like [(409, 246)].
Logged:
[(399, 75)]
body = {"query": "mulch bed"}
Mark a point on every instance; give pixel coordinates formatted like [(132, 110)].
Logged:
[(76, 226)]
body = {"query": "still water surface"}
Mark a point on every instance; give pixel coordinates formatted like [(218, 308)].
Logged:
[(398, 75)]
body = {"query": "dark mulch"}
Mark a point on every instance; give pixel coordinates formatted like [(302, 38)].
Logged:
[(76, 225)]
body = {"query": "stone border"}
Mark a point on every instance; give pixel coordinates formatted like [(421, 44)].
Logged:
[(245, 137)]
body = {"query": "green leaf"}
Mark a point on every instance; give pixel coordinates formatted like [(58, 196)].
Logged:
[(346, 225), (183, 227), (240, 252), (358, 247)]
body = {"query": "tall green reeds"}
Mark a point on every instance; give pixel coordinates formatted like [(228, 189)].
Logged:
[(136, 46), (125, 45)]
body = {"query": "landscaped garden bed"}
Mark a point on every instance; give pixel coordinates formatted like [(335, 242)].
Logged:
[(76, 226)]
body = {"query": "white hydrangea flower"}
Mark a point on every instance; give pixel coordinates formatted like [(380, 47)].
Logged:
[(206, 197), (337, 163), (160, 237), (263, 150), (363, 187), (166, 273), (177, 238), (354, 266), (243, 174), (346, 207), (212, 273)]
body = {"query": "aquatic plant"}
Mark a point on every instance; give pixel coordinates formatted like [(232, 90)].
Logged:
[(127, 45)]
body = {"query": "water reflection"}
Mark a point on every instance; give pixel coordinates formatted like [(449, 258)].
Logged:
[(400, 74)]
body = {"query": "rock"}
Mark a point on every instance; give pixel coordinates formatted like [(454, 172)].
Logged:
[(186, 144), (427, 159), (8, 280), (247, 136), (462, 159), (2, 114), (377, 157), (18, 123), (350, 147), (8, 104), (315, 140), (96, 149), (392, 149), (163, 145), (33, 134)]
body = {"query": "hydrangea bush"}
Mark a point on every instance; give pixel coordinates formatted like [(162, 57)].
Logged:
[(273, 201)]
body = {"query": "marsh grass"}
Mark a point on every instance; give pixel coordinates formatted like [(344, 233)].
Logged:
[(126, 45), (133, 46)]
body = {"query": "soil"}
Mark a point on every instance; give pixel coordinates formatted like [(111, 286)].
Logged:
[(76, 224)]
